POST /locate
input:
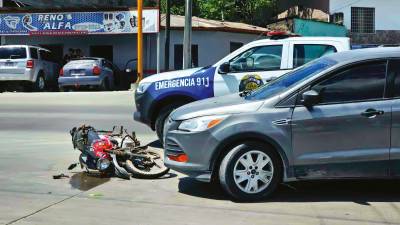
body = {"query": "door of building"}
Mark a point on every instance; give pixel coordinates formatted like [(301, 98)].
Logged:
[(57, 51), (102, 51)]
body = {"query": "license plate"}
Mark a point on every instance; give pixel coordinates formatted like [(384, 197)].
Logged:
[(9, 64), (77, 74)]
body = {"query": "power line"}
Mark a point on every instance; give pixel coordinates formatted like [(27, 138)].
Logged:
[(346, 6)]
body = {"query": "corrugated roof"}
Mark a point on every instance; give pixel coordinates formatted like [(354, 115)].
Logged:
[(178, 22)]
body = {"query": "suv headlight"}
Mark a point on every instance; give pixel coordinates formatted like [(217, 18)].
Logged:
[(201, 123), (142, 87)]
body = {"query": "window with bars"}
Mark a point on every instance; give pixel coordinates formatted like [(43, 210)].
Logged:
[(362, 20)]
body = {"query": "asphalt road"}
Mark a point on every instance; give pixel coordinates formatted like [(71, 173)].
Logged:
[(35, 144)]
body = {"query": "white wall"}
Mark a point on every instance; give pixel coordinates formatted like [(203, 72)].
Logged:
[(386, 12), (212, 46)]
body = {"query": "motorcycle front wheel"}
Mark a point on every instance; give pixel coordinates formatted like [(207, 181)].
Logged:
[(156, 170)]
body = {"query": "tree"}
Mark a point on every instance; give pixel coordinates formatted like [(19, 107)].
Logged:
[(257, 12)]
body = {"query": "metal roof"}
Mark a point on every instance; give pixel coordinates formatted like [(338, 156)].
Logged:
[(178, 22)]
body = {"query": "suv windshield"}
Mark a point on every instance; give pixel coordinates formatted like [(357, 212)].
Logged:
[(13, 53), (291, 78)]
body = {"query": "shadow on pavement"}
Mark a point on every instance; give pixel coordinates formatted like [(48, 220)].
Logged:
[(357, 191), (155, 144), (86, 181), (192, 187)]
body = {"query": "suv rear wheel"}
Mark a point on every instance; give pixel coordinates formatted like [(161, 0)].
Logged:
[(40, 83), (251, 171)]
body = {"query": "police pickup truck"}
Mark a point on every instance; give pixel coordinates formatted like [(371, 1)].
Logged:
[(244, 69)]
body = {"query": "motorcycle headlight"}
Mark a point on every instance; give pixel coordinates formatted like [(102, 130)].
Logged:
[(142, 87), (201, 123), (103, 164)]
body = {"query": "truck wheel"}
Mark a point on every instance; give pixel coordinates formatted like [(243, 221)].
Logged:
[(161, 119), (250, 172), (40, 83)]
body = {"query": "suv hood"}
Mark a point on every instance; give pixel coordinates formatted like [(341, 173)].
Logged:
[(229, 104), (170, 75)]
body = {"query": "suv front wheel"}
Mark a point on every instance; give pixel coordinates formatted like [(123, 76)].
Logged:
[(251, 171), (162, 118)]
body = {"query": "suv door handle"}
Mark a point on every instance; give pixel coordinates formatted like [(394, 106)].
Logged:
[(372, 113)]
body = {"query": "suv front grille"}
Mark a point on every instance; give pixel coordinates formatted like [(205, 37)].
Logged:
[(172, 148)]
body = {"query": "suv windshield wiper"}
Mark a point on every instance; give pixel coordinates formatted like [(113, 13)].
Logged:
[(15, 56)]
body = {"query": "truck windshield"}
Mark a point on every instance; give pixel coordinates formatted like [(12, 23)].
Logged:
[(290, 79), (13, 53)]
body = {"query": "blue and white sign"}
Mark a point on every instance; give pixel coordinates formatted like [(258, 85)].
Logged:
[(71, 23)]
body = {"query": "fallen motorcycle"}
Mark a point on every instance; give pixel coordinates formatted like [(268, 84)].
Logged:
[(117, 153)]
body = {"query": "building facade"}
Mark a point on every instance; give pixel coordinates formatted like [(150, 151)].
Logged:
[(373, 22), (368, 21), (111, 33)]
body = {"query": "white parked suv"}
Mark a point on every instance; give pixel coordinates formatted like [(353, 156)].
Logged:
[(31, 67)]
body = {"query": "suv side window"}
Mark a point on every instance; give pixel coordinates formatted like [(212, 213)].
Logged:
[(394, 78), (260, 58), (304, 53), (34, 53), (358, 83), (44, 55)]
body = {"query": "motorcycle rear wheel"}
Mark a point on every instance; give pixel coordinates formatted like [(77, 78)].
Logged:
[(156, 171)]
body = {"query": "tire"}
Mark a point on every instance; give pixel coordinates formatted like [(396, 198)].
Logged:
[(161, 119), (249, 185), (111, 86), (105, 85), (140, 173), (40, 83)]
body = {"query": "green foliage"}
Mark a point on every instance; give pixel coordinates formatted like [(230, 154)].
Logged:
[(257, 12)]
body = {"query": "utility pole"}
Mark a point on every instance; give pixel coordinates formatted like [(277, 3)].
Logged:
[(140, 40), (2, 38), (167, 35), (187, 37)]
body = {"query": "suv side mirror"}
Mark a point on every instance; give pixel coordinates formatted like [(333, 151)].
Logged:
[(310, 98), (224, 68)]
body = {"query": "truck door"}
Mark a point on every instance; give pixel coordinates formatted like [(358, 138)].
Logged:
[(252, 68), (302, 52)]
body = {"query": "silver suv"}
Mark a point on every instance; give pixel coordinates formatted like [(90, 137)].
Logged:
[(28, 66), (335, 117)]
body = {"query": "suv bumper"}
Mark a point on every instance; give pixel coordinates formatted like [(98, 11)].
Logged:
[(199, 147), (80, 81), (143, 108), (28, 75)]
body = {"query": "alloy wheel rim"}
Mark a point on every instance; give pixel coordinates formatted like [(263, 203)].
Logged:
[(253, 172), (41, 83)]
